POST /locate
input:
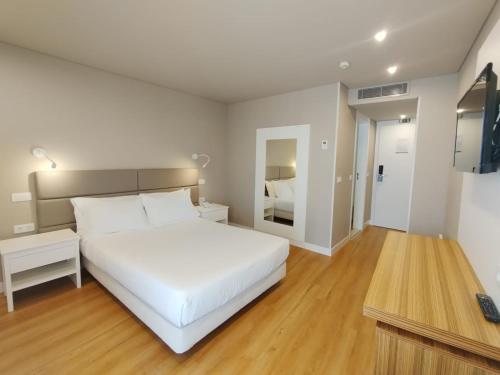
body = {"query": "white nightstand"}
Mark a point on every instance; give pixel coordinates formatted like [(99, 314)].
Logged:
[(32, 260), (216, 212), (268, 209)]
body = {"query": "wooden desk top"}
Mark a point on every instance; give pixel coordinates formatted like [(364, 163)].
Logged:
[(426, 286)]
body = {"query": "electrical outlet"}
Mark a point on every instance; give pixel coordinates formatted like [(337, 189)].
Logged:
[(24, 228)]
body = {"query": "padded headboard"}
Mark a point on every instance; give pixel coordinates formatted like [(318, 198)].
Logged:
[(53, 189), (279, 173)]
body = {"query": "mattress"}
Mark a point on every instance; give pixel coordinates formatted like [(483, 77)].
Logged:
[(186, 270), (283, 205)]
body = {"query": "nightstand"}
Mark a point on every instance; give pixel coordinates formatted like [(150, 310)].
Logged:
[(36, 259), (215, 212), (268, 209)]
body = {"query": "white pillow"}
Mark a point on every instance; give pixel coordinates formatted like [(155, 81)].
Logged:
[(270, 189), (283, 190), (291, 183), (170, 207), (96, 216)]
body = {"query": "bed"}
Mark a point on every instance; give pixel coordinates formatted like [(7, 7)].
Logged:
[(183, 279), (283, 207)]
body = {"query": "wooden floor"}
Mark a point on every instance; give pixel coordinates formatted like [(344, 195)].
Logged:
[(311, 323)]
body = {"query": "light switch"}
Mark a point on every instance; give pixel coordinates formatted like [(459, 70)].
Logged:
[(339, 179), (201, 181), (350, 177), (21, 197), (24, 228), (324, 144)]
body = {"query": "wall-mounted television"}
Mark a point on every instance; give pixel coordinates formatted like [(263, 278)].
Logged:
[(477, 141)]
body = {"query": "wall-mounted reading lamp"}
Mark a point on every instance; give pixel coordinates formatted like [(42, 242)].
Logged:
[(42, 153), (197, 156)]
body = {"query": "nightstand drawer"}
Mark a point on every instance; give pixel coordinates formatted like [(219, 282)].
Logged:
[(40, 257), (217, 215)]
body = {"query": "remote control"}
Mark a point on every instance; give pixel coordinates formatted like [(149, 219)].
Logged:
[(489, 309)]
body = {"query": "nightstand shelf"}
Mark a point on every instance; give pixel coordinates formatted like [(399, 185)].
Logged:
[(39, 275)]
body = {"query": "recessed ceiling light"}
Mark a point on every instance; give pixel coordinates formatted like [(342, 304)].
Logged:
[(402, 117), (344, 65), (392, 69), (380, 36), (460, 110)]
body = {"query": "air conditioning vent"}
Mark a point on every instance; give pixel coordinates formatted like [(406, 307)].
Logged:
[(405, 120), (381, 91)]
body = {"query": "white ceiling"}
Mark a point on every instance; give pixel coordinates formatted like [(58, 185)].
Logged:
[(232, 50), (389, 110)]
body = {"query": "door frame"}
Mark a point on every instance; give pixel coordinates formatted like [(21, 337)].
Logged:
[(412, 165), (360, 120)]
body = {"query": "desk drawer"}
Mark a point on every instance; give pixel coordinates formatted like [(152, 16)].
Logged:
[(40, 257)]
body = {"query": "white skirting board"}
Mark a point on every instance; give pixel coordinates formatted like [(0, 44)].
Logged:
[(312, 247), (339, 245), (309, 246)]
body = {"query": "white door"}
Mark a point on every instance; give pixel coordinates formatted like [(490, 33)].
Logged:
[(392, 174), (361, 174)]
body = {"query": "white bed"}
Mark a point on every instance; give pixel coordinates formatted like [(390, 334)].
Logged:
[(185, 279)]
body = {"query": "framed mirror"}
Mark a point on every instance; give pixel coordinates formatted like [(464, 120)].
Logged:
[(281, 174)]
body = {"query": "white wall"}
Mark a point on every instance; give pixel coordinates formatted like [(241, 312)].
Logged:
[(344, 168), (317, 107), (434, 150), (477, 199), (90, 119)]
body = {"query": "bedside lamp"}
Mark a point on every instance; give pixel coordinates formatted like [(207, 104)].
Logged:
[(40, 153), (197, 156)]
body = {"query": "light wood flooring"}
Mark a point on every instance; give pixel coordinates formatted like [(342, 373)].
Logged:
[(311, 323)]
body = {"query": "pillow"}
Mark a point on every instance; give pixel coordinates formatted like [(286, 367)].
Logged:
[(270, 189), (291, 183), (96, 216), (168, 208), (283, 190)]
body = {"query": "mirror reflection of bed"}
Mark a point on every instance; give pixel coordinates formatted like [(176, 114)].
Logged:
[(279, 189)]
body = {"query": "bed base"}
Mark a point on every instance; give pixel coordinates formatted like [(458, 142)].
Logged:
[(182, 339)]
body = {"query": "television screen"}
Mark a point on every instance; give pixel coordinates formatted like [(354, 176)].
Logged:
[(476, 115)]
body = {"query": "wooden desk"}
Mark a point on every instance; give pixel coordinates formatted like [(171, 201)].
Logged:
[(423, 296)]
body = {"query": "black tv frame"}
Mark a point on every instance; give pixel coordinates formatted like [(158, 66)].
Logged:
[(487, 163)]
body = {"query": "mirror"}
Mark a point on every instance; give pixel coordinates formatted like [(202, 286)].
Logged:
[(279, 184), (281, 172)]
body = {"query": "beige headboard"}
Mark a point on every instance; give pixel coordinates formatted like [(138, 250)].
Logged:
[(279, 173), (53, 189)]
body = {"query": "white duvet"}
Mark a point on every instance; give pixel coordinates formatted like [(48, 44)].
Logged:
[(186, 270)]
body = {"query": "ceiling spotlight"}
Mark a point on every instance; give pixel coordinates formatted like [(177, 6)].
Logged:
[(344, 65), (460, 110), (392, 69), (402, 117), (380, 36)]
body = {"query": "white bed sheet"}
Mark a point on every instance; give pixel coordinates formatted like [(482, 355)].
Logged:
[(283, 205), (185, 270)]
